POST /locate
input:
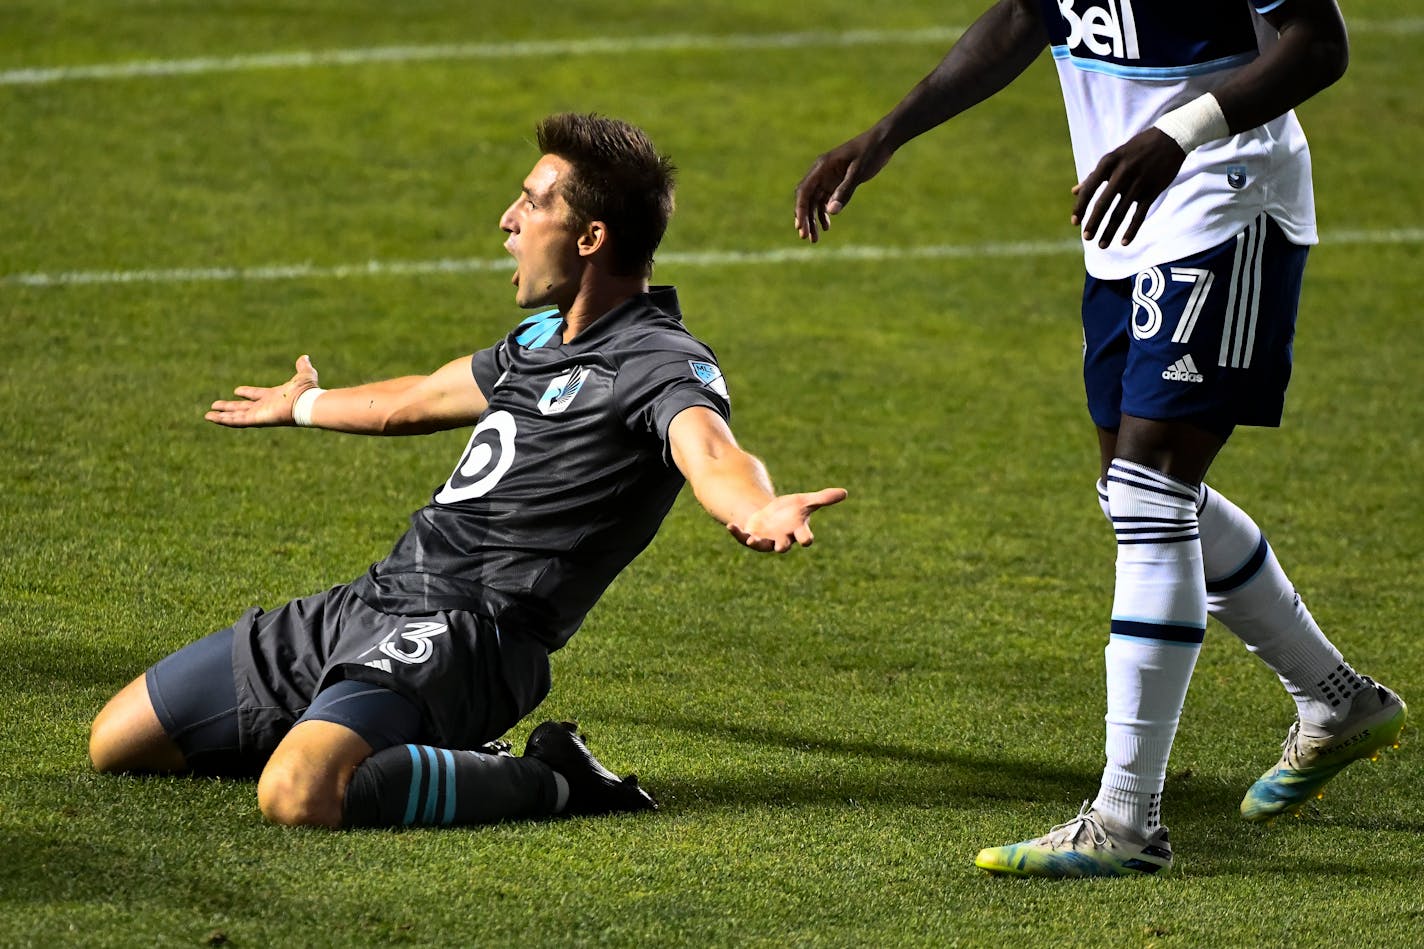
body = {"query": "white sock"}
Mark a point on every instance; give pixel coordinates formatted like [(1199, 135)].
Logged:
[(1141, 812), (1158, 621), (1251, 595)]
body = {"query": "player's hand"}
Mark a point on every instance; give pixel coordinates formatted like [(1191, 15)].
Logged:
[(1136, 173), (832, 180), (257, 406), (784, 522)]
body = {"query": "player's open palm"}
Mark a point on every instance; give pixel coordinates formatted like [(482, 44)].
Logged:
[(785, 522), (257, 406), (832, 180)]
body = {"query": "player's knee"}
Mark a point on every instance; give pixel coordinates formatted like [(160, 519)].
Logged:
[(288, 796), (104, 753), (121, 739)]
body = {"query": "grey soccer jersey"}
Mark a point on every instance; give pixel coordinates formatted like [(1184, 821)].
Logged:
[(565, 478)]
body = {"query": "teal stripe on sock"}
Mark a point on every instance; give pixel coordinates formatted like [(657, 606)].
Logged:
[(433, 791), (417, 772), (449, 815)]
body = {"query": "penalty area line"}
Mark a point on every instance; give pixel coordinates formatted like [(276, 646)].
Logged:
[(711, 258)]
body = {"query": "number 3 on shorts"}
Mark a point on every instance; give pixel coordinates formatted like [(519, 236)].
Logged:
[(418, 635)]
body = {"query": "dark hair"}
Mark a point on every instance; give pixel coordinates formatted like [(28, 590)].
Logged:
[(619, 178)]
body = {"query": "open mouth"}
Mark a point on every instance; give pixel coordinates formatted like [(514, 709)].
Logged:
[(509, 247)]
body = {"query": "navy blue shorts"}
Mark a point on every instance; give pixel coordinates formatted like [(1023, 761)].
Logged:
[(1206, 339), (194, 693), (195, 696)]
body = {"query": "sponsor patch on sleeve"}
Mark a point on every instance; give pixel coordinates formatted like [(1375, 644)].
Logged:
[(711, 377)]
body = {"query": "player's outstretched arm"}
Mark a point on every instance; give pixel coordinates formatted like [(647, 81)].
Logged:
[(991, 54), (1311, 54), (734, 487), (408, 405)]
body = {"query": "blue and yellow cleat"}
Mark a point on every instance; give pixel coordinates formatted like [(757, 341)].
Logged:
[(1083, 847), (1313, 754)]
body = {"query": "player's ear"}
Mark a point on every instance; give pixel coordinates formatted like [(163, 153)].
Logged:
[(593, 239)]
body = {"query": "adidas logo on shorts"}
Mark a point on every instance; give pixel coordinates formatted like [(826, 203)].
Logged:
[(1183, 370)]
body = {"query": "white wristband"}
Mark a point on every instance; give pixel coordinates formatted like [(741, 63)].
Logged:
[(302, 408), (1196, 123)]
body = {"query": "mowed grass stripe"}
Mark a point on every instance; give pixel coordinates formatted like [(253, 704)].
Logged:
[(711, 258), (595, 45)]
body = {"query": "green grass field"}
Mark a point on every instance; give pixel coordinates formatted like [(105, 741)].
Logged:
[(832, 734)]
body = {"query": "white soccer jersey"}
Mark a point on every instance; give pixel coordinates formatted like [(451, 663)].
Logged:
[(1122, 65)]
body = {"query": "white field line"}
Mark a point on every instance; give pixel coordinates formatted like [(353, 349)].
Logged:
[(714, 258), (608, 45)]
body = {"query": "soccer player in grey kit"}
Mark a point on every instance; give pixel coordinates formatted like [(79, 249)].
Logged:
[(375, 703)]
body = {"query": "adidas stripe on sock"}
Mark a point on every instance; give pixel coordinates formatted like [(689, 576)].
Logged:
[(420, 785), (1251, 595), (1158, 622)]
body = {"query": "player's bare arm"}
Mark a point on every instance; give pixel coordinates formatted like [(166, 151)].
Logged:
[(733, 486), (409, 405), (1311, 54), (994, 51)]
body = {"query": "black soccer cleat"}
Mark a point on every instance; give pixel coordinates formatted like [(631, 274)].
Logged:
[(593, 789)]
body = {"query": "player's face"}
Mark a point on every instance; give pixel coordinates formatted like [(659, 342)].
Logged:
[(543, 238)]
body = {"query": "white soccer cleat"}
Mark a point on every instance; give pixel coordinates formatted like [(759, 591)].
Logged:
[(1314, 754), (1083, 847)]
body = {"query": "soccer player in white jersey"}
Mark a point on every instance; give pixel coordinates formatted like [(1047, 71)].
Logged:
[(1195, 206)]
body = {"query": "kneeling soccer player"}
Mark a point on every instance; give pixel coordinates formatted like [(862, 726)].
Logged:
[(375, 703)]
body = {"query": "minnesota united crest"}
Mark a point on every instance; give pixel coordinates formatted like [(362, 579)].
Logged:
[(562, 390)]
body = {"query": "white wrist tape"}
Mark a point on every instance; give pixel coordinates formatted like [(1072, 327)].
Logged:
[(302, 408), (1196, 123)]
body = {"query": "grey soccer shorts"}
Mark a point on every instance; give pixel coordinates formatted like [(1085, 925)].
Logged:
[(452, 678)]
